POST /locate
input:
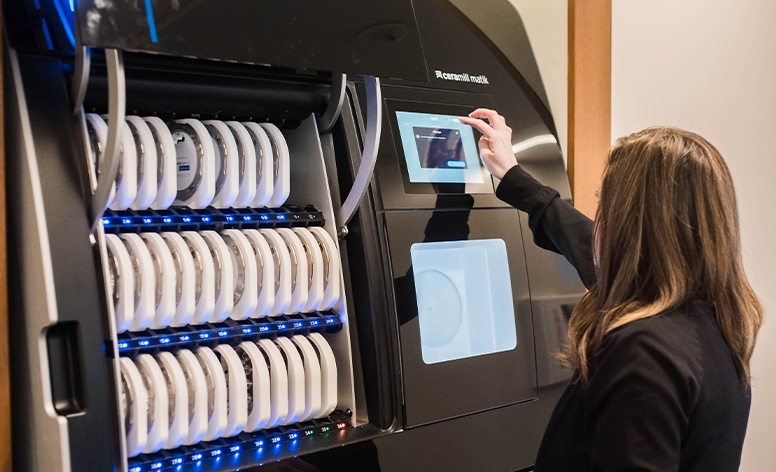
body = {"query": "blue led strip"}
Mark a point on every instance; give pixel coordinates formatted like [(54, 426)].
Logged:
[(187, 219), (151, 22), (230, 332), (245, 448)]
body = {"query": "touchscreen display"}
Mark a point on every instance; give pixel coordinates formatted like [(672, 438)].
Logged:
[(439, 149)]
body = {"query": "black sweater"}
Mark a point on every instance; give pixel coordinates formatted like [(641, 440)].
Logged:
[(663, 393)]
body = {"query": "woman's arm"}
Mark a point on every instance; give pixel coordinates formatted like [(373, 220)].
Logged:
[(556, 225)]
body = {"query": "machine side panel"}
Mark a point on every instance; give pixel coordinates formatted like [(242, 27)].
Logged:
[(76, 282)]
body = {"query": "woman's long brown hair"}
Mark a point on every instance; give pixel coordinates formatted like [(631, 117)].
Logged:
[(667, 235)]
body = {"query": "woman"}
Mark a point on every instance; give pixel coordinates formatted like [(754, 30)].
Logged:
[(662, 340)]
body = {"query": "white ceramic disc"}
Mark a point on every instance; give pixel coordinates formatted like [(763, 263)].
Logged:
[(328, 374), (147, 162), (121, 282), (185, 284), (136, 398), (195, 161), (312, 377), (224, 275), (166, 174), (145, 281), (98, 137), (197, 387), (236, 390), (296, 380), (164, 267), (126, 178), (299, 270), (244, 270), (265, 267), (177, 399), (331, 270), (227, 163), (315, 269), (283, 271), (158, 402), (282, 165), (264, 164), (216, 388), (258, 388), (204, 277), (246, 153), (278, 383)]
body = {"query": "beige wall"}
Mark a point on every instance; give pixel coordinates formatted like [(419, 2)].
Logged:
[(710, 66)]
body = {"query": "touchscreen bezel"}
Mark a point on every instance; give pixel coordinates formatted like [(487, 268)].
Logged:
[(392, 106)]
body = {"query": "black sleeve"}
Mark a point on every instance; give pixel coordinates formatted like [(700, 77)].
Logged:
[(556, 225)]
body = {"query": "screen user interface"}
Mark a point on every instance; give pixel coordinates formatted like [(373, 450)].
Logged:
[(439, 149)]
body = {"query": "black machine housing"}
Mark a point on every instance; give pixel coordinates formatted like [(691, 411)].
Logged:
[(279, 63)]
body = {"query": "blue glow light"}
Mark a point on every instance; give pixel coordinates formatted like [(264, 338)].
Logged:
[(126, 221), (143, 342), (167, 220), (105, 221), (247, 330), (164, 340), (263, 329), (151, 22), (215, 453), (177, 461), (264, 217), (281, 217), (229, 218), (123, 346), (204, 335), (146, 220), (313, 322), (156, 466), (186, 219), (184, 337), (234, 449), (206, 219), (223, 333), (282, 326), (196, 457), (247, 218)]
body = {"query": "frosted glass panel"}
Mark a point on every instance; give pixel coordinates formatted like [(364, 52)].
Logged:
[(464, 298)]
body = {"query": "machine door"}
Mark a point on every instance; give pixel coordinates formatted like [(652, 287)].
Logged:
[(466, 339)]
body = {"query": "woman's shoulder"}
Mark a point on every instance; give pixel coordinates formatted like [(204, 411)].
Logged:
[(678, 336)]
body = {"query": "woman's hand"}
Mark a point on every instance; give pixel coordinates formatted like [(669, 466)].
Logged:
[(496, 141)]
